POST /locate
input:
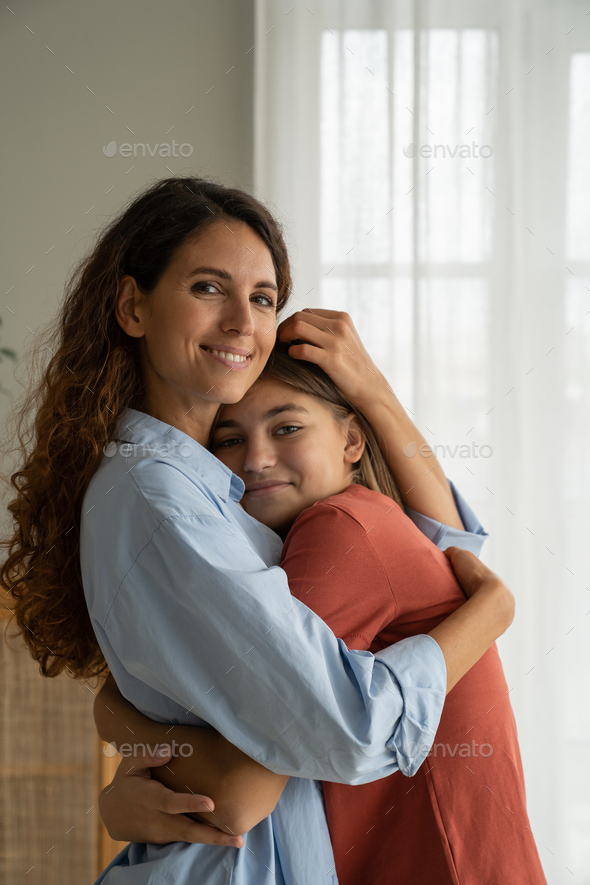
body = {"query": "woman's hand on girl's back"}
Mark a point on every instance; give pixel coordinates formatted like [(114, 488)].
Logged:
[(469, 631), (471, 573), (138, 808)]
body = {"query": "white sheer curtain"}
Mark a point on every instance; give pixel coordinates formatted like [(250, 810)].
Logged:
[(466, 268)]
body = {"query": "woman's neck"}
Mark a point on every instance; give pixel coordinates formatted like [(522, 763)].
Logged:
[(195, 420)]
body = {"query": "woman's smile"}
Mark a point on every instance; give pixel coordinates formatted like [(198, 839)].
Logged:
[(233, 357)]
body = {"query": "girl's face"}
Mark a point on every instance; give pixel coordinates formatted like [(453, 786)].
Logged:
[(289, 450), (208, 327)]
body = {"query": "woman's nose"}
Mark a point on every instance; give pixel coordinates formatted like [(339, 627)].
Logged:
[(238, 315), (259, 456)]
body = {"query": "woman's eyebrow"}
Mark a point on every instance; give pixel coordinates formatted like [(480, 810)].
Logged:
[(224, 275), (272, 413)]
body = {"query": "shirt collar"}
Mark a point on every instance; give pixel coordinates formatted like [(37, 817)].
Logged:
[(153, 438)]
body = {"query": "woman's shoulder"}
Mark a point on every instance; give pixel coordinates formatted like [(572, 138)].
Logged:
[(164, 486), (155, 466)]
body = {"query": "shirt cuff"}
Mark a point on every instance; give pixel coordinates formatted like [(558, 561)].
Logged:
[(446, 536), (419, 666)]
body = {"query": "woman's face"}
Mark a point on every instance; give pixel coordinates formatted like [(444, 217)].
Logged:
[(289, 450), (208, 327)]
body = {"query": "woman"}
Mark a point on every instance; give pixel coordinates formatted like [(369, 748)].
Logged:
[(145, 556), (313, 472)]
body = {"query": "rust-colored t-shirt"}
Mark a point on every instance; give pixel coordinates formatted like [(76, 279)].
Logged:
[(361, 564)]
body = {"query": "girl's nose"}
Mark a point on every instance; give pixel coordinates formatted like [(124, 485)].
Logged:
[(259, 456)]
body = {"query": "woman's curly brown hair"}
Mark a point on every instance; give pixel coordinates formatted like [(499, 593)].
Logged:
[(86, 372)]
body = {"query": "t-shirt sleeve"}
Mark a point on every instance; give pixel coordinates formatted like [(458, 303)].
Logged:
[(333, 568)]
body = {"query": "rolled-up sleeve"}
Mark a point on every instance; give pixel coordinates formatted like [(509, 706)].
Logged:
[(421, 674), (200, 618), (446, 536)]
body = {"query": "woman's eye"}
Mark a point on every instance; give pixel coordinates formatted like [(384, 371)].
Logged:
[(202, 287), (264, 299), (205, 288), (287, 430)]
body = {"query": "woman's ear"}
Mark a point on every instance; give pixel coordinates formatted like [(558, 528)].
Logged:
[(130, 308), (355, 440)]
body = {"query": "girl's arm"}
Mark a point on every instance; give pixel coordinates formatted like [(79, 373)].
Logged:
[(243, 792), (335, 346)]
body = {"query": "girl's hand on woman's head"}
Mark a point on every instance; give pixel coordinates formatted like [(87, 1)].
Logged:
[(137, 808), (330, 340)]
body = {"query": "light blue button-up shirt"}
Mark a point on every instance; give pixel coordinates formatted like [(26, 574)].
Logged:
[(197, 624)]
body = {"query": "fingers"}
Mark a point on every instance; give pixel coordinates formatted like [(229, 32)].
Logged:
[(143, 810), (139, 766), (309, 353), (300, 329), (466, 565), (183, 803), (182, 829), (321, 343), (329, 339), (317, 312), (173, 824), (470, 571), (301, 325), (451, 552), (323, 312), (459, 553), (159, 758)]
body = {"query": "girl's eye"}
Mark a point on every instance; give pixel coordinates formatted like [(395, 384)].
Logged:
[(287, 430), (228, 443)]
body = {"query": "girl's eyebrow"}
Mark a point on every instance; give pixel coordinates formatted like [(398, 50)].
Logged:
[(272, 413), (287, 407)]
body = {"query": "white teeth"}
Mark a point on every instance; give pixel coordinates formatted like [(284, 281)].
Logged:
[(233, 357)]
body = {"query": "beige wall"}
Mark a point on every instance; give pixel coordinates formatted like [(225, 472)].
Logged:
[(149, 62)]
